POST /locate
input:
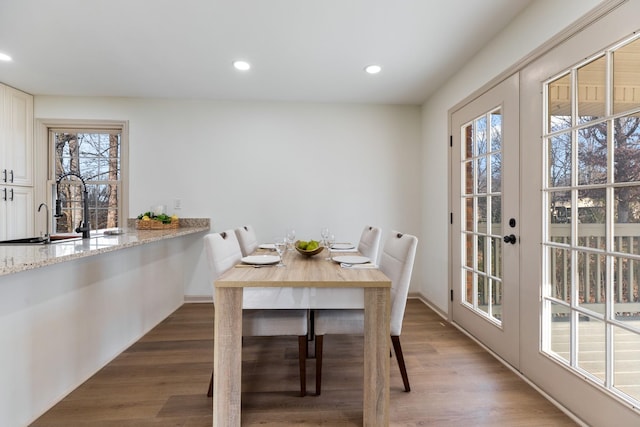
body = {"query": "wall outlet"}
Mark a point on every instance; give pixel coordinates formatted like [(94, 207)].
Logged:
[(177, 204)]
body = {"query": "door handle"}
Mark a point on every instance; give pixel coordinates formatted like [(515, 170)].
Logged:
[(11, 192), (4, 175), (510, 239), (4, 195), (10, 174)]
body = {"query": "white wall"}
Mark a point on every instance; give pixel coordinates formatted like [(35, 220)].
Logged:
[(272, 165), (532, 28)]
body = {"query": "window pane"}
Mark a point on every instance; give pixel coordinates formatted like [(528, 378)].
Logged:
[(496, 257), (560, 160), (496, 215), (626, 273), (496, 130), (560, 331), (468, 248), (468, 295), (591, 281), (559, 103), (482, 215), (591, 90), (560, 260), (481, 253), (483, 294), (469, 214), (468, 177), (627, 149), (496, 298), (626, 354), (591, 346), (627, 220), (496, 173), (467, 137), (481, 136), (592, 155), (591, 218), (482, 175), (626, 75)]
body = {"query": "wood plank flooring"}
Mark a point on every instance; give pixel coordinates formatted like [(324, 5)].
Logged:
[(162, 381)]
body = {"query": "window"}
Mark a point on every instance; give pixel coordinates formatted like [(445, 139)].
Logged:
[(87, 161), (591, 302)]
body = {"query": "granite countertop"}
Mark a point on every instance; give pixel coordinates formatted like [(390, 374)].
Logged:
[(16, 258)]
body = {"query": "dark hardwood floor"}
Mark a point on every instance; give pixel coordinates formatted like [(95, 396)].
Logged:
[(162, 381)]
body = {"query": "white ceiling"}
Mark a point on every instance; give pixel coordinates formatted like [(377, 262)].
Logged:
[(300, 50)]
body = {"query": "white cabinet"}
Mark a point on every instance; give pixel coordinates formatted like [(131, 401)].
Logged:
[(16, 164), (16, 212)]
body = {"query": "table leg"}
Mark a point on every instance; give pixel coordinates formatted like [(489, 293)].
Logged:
[(376, 357), (227, 360)]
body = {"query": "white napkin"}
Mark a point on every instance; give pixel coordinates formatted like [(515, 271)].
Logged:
[(358, 266)]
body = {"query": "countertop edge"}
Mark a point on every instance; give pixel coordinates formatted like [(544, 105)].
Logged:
[(15, 259)]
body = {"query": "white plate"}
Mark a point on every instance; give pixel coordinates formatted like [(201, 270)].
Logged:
[(351, 259), (342, 246), (268, 246), (261, 259)]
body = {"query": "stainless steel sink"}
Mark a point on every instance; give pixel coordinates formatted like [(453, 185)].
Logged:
[(40, 240)]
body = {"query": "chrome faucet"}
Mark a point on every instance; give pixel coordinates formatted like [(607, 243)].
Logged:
[(85, 225), (46, 236)]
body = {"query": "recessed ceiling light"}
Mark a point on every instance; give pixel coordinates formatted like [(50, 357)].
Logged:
[(4, 57), (373, 69), (241, 65)]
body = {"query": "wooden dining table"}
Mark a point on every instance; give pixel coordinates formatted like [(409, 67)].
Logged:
[(304, 282)]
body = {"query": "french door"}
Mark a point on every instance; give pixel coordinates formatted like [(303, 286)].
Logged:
[(485, 211)]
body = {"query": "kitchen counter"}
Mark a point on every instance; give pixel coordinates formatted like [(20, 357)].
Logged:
[(70, 307), (16, 258)]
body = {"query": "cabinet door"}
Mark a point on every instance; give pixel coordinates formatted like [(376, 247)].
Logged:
[(18, 137), (16, 212)]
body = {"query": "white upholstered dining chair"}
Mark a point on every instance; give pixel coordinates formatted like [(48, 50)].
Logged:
[(370, 243), (246, 236), (223, 252), (396, 262)]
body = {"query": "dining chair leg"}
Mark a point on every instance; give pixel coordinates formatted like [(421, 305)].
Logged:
[(302, 361), (210, 392), (403, 369), (319, 364)]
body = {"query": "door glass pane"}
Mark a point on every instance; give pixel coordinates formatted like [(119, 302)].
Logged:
[(496, 173), (559, 104), (626, 212), (591, 346), (591, 218), (592, 155), (560, 160), (560, 272), (591, 281), (482, 175), (482, 201), (468, 177), (496, 298), (496, 130), (560, 331), (591, 90), (626, 354), (626, 272), (626, 75), (627, 148)]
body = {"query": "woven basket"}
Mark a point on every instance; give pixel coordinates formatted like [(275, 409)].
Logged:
[(156, 225)]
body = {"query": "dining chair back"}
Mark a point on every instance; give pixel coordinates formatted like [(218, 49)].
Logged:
[(247, 238), (223, 253), (396, 262), (370, 242)]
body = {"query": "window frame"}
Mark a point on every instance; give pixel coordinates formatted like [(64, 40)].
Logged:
[(45, 180)]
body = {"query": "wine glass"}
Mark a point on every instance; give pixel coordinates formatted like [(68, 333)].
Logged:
[(324, 233), (331, 239), (281, 246), (291, 238)]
